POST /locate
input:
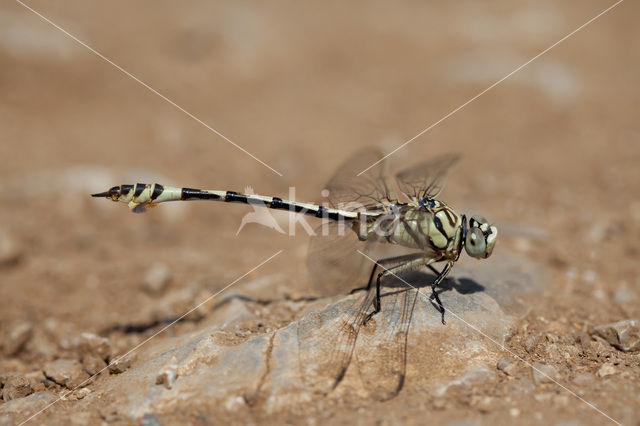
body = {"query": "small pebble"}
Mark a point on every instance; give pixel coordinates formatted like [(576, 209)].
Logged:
[(531, 343), (514, 412), (93, 364), (623, 296), (150, 419), (622, 335), (90, 343), (36, 380), (607, 369), (157, 278), (16, 386), (584, 340), (233, 403), (3, 377), (17, 339), (507, 366), (10, 252), (439, 403), (109, 413), (66, 372), (544, 373), (120, 364), (481, 403), (80, 393), (542, 397), (168, 374)]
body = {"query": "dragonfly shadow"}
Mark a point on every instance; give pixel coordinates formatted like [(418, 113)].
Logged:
[(422, 280)]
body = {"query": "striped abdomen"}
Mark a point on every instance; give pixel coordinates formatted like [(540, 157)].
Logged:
[(142, 196)]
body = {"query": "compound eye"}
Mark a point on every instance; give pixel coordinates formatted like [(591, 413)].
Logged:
[(475, 244), (479, 220)]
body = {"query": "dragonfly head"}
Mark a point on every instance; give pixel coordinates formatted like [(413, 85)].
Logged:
[(481, 238)]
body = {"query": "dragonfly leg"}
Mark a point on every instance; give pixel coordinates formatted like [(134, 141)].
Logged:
[(441, 276), (402, 263)]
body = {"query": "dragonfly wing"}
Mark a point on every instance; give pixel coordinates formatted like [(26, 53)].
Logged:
[(426, 179), (349, 191), (326, 341), (381, 352), (334, 264)]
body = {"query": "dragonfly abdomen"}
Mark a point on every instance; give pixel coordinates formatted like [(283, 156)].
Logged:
[(142, 196)]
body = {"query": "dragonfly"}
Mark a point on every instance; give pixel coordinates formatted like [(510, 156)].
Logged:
[(368, 206), (360, 210)]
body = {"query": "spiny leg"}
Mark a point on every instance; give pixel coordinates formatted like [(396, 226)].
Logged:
[(441, 276), (406, 262)]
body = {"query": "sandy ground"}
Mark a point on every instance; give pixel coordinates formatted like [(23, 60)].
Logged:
[(550, 155)]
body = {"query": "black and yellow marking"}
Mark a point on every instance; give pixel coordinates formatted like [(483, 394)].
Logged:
[(157, 190), (197, 194), (149, 194)]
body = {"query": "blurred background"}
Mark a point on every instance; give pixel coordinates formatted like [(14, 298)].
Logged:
[(550, 155)]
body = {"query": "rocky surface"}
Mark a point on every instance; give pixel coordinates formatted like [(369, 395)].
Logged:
[(327, 352), (28, 405)]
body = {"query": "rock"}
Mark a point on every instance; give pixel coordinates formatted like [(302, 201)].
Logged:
[(109, 413), (4, 376), (150, 419), (90, 343), (120, 364), (507, 366), (544, 373), (29, 404), (607, 369), (10, 251), (531, 343), (623, 335), (66, 372), (325, 349), (93, 364), (157, 278), (36, 380), (18, 337), (16, 386), (168, 374), (623, 296), (584, 340), (80, 393)]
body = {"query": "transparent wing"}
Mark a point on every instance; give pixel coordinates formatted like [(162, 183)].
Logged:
[(428, 178), (368, 190), (326, 341), (333, 261), (381, 350)]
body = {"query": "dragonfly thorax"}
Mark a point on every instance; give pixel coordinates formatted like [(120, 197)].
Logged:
[(430, 226)]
